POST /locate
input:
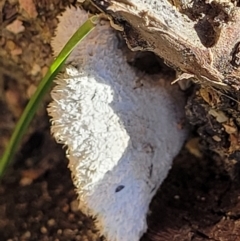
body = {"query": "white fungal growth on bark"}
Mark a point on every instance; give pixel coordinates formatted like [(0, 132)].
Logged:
[(121, 138)]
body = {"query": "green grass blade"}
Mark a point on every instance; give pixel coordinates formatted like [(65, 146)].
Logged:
[(42, 89)]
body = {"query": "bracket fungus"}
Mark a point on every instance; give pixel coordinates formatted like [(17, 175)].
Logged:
[(121, 137)]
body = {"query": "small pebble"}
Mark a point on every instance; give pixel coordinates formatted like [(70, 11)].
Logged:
[(89, 233), (71, 217), (85, 238), (29, 7), (80, 223), (65, 208), (216, 138), (16, 51), (43, 230), (31, 90), (51, 222), (25, 181), (78, 238), (13, 97), (26, 235), (16, 27), (74, 206), (10, 45), (68, 233), (177, 197), (51, 7), (35, 69)]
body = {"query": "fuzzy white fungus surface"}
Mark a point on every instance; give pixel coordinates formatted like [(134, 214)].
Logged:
[(121, 137)]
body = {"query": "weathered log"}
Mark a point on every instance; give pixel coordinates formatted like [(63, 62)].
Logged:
[(160, 27)]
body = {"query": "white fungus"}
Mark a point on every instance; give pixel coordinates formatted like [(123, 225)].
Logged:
[(121, 137)]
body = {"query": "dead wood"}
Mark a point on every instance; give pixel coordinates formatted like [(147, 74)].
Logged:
[(160, 27)]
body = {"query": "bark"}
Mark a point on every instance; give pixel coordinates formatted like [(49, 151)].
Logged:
[(160, 27)]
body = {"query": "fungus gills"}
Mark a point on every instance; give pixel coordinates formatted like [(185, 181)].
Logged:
[(121, 138)]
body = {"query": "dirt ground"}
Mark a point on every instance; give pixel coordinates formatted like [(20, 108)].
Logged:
[(198, 201)]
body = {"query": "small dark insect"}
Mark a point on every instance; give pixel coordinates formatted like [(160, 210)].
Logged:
[(119, 188)]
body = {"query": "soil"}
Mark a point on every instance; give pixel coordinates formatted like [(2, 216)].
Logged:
[(198, 201)]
